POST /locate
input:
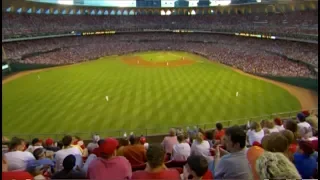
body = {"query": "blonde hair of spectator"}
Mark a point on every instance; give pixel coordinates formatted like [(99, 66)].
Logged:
[(172, 132), (275, 166), (255, 126), (269, 124), (263, 123)]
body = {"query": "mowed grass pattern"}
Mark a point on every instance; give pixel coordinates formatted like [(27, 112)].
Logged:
[(72, 99)]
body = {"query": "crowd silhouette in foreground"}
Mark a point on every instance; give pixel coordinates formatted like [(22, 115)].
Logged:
[(270, 149)]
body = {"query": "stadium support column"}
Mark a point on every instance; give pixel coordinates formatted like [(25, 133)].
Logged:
[(204, 3)]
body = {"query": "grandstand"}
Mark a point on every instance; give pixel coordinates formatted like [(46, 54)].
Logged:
[(221, 79)]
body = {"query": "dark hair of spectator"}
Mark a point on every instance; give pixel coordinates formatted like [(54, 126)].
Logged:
[(209, 135), (69, 162), (132, 139), (38, 153), (100, 141), (237, 135), (198, 164), (181, 138), (155, 155), (219, 126), (67, 140), (15, 142)]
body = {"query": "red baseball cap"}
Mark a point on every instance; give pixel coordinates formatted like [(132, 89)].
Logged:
[(109, 146), (306, 113), (278, 121), (49, 141)]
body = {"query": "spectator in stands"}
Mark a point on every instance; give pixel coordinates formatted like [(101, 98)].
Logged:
[(36, 143), (143, 141), (268, 165), (197, 167), (37, 170), (304, 128), (109, 165), (201, 146), (278, 123), (41, 159), (312, 120), (155, 166), (96, 151), (94, 144), (50, 145), (235, 164), (218, 134), (276, 142), (18, 175), (78, 143), (67, 150), (255, 133), (182, 150), (135, 152), (304, 162), (68, 171), (91, 157), (169, 141), (291, 141), (271, 126), (292, 126), (17, 158)]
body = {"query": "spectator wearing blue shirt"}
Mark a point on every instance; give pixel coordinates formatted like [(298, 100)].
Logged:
[(303, 160)]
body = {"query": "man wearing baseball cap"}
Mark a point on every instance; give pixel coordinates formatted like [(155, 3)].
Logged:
[(108, 165)]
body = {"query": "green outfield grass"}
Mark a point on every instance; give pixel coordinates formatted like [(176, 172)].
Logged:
[(73, 98)]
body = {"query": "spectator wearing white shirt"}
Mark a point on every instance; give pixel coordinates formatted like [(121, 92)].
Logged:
[(35, 144), (182, 150), (278, 123), (67, 150), (201, 146), (304, 128), (17, 158), (255, 133)]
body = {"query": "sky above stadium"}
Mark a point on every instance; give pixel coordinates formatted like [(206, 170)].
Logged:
[(131, 3)]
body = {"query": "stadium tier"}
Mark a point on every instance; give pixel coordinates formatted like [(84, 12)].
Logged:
[(234, 85)]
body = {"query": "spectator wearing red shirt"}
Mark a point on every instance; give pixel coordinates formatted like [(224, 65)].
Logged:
[(197, 167), (218, 134), (109, 165), (155, 166), (135, 152)]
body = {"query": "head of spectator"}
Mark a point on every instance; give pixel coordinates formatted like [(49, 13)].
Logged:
[(219, 126), (301, 117), (277, 121), (36, 142), (36, 170), (95, 138), (67, 141), (142, 140), (289, 135), (108, 148), (69, 162), (270, 124), (263, 123), (255, 126), (276, 142), (172, 132), (269, 165), (306, 113), (181, 138), (292, 126), (201, 135), (39, 153), (49, 142), (17, 144), (132, 140), (197, 166), (155, 157), (235, 139), (60, 144), (305, 147)]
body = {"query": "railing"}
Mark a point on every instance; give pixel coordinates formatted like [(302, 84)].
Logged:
[(161, 129)]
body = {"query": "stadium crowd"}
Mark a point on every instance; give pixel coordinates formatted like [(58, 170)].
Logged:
[(249, 55), (237, 152), (299, 22)]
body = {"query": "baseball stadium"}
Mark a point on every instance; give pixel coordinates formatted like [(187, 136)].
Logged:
[(77, 69)]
